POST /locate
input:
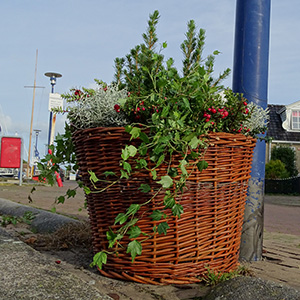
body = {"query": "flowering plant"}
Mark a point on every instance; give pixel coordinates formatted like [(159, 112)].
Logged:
[(169, 111)]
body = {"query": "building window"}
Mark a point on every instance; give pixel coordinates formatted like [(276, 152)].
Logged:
[(296, 119)]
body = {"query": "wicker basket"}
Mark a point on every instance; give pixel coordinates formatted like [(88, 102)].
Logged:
[(208, 233)]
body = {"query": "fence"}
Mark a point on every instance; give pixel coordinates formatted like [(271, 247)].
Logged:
[(283, 186)]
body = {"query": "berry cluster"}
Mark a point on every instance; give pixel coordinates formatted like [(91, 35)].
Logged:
[(218, 113), (215, 116), (138, 112)]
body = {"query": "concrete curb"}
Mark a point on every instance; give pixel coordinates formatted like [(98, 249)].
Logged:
[(44, 221), (28, 275)]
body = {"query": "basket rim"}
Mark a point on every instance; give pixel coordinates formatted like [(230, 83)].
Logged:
[(210, 135)]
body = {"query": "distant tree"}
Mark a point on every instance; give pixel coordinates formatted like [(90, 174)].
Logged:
[(288, 156), (275, 169)]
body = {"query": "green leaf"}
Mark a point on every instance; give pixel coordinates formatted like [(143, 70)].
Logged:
[(93, 177), (134, 248), (132, 150), (182, 165), (186, 103), (128, 128), (134, 232), (153, 173), (61, 199), (99, 259), (162, 228), (132, 209), (143, 149), (189, 137), (193, 155), (166, 181), (169, 201), (112, 237), (156, 215), (120, 218), (135, 133), (173, 172), (164, 44), (125, 153), (127, 166), (124, 174), (141, 163), (145, 188), (109, 173), (144, 137), (86, 190), (71, 193), (177, 210), (128, 151), (160, 160), (202, 165), (130, 223), (194, 142), (159, 149)]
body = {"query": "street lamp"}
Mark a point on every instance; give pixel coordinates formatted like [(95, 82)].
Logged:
[(52, 119)]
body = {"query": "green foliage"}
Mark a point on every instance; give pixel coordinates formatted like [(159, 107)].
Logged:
[(7, 219), (213, 278), (275, 169), (288, 156), (171, 112)]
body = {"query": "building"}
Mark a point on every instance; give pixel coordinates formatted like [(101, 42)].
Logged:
[(284, 128)]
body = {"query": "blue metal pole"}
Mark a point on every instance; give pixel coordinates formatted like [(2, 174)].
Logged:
[(250, 77)]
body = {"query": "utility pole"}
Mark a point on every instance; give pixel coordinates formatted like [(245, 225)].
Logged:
[(32, 111), (250, 77)]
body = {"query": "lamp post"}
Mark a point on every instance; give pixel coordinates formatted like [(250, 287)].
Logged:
[(52, 76)]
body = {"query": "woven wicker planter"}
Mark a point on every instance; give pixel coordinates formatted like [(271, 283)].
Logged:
[(208, 232)]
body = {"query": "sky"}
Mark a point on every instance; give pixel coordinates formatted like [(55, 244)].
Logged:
[(81, 38)]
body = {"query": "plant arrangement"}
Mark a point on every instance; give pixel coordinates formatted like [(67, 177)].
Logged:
[(167, 113)]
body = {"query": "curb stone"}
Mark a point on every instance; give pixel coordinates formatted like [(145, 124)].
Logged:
[(43, 222), (28, 275), (250, 288)]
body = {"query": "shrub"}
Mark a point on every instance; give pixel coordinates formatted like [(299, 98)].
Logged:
[(275, 169), (288, 156)]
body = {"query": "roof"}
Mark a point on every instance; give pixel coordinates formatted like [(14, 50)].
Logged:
[(275, 130)]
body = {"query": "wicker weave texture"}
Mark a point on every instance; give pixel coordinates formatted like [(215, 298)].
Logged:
[(208, 233)]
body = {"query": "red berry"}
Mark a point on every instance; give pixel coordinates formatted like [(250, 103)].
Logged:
[(117, 107)]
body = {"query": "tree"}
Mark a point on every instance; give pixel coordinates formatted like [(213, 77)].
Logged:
[(288, 156)]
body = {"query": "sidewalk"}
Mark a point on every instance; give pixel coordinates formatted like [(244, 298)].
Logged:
[(28, 274)]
